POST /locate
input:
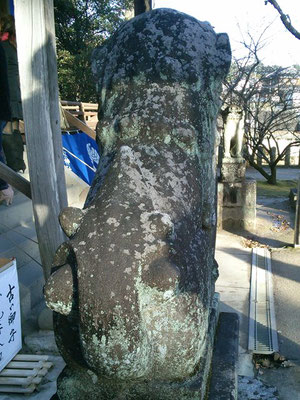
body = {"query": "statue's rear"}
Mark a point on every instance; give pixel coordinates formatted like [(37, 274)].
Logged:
[(133, 290)]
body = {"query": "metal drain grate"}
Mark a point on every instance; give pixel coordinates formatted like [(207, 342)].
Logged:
[(262, 324)]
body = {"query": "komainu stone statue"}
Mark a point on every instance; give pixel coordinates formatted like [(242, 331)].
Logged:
[(133, 289), (233, 132)]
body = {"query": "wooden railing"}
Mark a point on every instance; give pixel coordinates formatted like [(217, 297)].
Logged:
[(82, 116), (15, 180), (86, 112)]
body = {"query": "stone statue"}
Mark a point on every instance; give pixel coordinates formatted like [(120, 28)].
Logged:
[(233, 132), (236, 194), (133, 289)]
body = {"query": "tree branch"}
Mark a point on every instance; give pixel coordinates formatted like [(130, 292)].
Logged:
[(284, 18)]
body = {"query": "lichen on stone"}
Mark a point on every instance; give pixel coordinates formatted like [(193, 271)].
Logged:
[(144, 250)]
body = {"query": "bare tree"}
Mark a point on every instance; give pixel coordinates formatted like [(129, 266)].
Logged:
[(272, 116), (284, 18), (266, 94)]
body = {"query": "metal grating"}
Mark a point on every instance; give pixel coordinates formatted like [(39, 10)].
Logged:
[(262, 324)]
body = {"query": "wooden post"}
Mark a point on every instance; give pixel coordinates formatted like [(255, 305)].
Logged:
[(38, 77), (297, 218)]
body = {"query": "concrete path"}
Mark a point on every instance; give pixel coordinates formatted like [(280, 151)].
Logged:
[(233, 285), (234, 264), (286, 278)]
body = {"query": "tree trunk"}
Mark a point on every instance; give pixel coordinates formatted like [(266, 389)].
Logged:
[(259, 168), (272, 180)]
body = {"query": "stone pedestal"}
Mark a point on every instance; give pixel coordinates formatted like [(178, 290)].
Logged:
[(237, 205), (236, 196), (233, 170), (79, 383)]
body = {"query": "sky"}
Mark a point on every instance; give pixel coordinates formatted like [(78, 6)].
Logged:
[(237, 17)]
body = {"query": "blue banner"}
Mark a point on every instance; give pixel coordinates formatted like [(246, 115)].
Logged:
[(11, 7), (80, 154)]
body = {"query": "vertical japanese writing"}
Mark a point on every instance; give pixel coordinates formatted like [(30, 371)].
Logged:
[(12, 314), (11, 318), (10, 295), (12, 336), (10, 327)]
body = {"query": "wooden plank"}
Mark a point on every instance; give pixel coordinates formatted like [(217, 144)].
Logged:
[(29, 364), (25, 365), (17, 381), (71, 108), (90, 106), (15, 180), (39, 88), (90, 113), (16, 389), (20, 372), (70, 103), (74, 112), (73, 121), (31, 357), (24, 372), (23, 375)]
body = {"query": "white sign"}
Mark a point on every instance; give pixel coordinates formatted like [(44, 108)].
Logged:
[(10, 316)]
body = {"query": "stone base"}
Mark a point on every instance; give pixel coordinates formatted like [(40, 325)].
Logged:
[(85, 385), (233, 170), (223, 383), (237, 205)]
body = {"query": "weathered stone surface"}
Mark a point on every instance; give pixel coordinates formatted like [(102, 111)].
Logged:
[(70, 220), (74, 381), (42, 341), (58, 290), (233, 170), (237, 205), (142, 259)]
